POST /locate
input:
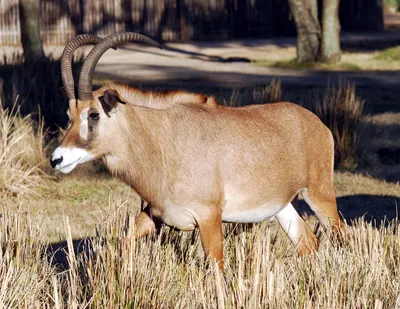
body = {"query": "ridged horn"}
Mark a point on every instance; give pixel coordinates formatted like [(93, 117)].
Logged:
[(66, 60), (85, 78)]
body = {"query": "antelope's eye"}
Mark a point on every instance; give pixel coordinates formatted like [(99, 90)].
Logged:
[(94, 116)]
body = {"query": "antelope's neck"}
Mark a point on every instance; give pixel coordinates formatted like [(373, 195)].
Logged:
[(138, 158)]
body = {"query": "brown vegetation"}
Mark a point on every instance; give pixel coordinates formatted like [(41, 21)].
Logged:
[(113, 270), (22, 155)]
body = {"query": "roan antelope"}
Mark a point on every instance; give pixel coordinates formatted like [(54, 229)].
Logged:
[(197, 163)]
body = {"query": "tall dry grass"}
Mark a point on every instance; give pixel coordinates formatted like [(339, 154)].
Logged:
[(26, 278), (270, 93), (22, 155), (341, 110), (167, 271)]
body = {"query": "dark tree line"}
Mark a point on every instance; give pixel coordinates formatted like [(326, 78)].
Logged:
[(316, 21)]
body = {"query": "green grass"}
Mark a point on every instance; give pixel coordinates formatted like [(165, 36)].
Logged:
[(389, 54), (391, 4), (293, 64), (351, 61)]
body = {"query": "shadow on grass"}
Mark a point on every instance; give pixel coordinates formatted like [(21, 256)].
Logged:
[(375, 209), (57, 253), (379, 149), (176, 52), (379, 210)]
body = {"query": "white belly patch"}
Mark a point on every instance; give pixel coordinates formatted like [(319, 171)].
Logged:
[(240, 208), (252, 215)]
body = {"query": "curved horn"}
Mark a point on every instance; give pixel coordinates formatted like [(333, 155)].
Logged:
[(66, 60), (85, 78)]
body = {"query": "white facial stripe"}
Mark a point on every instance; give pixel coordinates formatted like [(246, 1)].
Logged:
[(291, 222), (71, 157), (84, 126)]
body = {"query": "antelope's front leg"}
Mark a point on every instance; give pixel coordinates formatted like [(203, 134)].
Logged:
[(211, 237), (144, 225)]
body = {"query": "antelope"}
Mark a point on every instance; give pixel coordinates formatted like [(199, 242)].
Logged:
[(198, 163)]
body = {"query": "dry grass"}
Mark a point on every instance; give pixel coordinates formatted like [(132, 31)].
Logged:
[(25, 275), (167, 271), (340, 109), (267, 94), (22, 155)]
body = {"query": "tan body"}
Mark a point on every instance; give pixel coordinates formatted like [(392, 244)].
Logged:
[(199, 164), (235, 158)]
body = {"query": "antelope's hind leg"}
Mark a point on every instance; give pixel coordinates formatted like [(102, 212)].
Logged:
[(322, 200), (298, 231)]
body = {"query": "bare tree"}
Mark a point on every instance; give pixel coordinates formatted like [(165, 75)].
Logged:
[(29, 11), (305, 13), (330, 43), (316, 41)]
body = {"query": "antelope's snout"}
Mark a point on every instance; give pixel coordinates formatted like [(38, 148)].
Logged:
[(66, 159)]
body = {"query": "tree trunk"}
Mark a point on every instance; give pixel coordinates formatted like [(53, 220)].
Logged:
[(330, 44), (29, 11), (305, 13)]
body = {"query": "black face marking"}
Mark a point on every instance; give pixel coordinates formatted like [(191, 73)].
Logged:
[(109, 101), (93, 122)]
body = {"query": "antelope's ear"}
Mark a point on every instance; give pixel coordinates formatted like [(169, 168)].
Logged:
[(110, 100)]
